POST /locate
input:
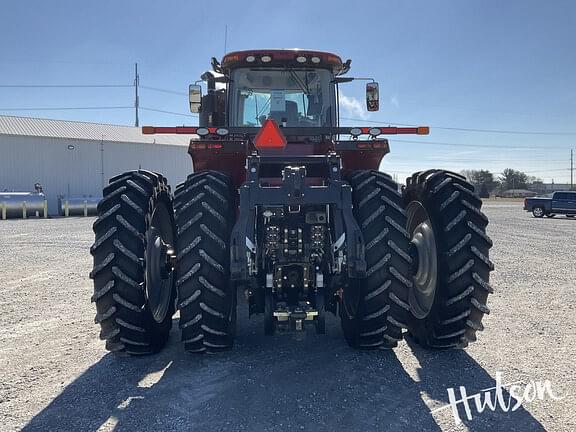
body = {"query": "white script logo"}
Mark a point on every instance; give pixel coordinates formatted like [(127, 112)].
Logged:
[(493, 398)]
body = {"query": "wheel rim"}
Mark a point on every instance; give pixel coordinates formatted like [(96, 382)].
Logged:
[(425, 260), (538, 211), (160, 259)]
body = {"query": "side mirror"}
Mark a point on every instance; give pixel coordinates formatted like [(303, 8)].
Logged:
[(372, 96), (195, 97)]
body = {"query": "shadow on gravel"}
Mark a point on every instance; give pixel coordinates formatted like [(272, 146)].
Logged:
[(440, 370), (300, 382)]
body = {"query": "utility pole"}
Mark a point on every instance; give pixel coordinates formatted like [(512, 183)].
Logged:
[(136, 101), (102, 162), (571, 169), (225, 38)]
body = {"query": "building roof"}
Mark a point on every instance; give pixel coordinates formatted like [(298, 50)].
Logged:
[(37, 127)]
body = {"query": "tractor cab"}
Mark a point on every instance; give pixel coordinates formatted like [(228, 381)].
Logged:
[(294, 88)]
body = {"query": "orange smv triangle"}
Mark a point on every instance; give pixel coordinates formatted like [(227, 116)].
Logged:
[(270, 136)]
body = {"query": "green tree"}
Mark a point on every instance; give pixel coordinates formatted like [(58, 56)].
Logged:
[(513, 179), (479, 178)]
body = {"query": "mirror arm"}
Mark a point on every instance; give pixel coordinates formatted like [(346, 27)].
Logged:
[(348, 79), (339, 80)]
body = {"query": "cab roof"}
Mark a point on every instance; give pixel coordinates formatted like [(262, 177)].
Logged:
[(284, 57)]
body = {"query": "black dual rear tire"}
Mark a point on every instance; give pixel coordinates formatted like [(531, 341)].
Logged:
[(134, 313), (451, 316), (205, 212), (372, 309)]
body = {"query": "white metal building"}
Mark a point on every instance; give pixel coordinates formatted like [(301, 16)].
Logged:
[(73, 159)]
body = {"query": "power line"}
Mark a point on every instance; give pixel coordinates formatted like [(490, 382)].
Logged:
[(91, 86), (490, 160), (66, 108), (168, 112), (64, 85), (489, 111), (161, 90), (499, 131), (75, 62), (549, 170), (393, 140)]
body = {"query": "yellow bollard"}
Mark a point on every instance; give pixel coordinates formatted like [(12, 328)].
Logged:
[(45, 209), (66, 210), (85, 208), (24, 212)]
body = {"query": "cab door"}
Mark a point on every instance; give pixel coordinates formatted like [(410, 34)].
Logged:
[(563, 202), (570, 202)]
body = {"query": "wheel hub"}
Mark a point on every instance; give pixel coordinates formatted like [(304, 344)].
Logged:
[(425, 260), (160, 264)]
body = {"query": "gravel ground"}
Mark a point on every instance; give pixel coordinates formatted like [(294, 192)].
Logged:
[(56, 375)]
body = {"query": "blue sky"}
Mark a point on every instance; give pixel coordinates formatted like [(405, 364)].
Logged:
[(497, 65)]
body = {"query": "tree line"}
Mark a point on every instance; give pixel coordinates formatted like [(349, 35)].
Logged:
[(486, 183)]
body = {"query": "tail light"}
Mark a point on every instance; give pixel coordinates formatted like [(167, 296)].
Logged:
[(373, 144), (203, 145), (198, 145)]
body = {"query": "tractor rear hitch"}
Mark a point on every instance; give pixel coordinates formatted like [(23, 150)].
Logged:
[(294, 318), (293, 192)]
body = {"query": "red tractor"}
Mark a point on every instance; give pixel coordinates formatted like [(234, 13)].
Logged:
[(289, 208)]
